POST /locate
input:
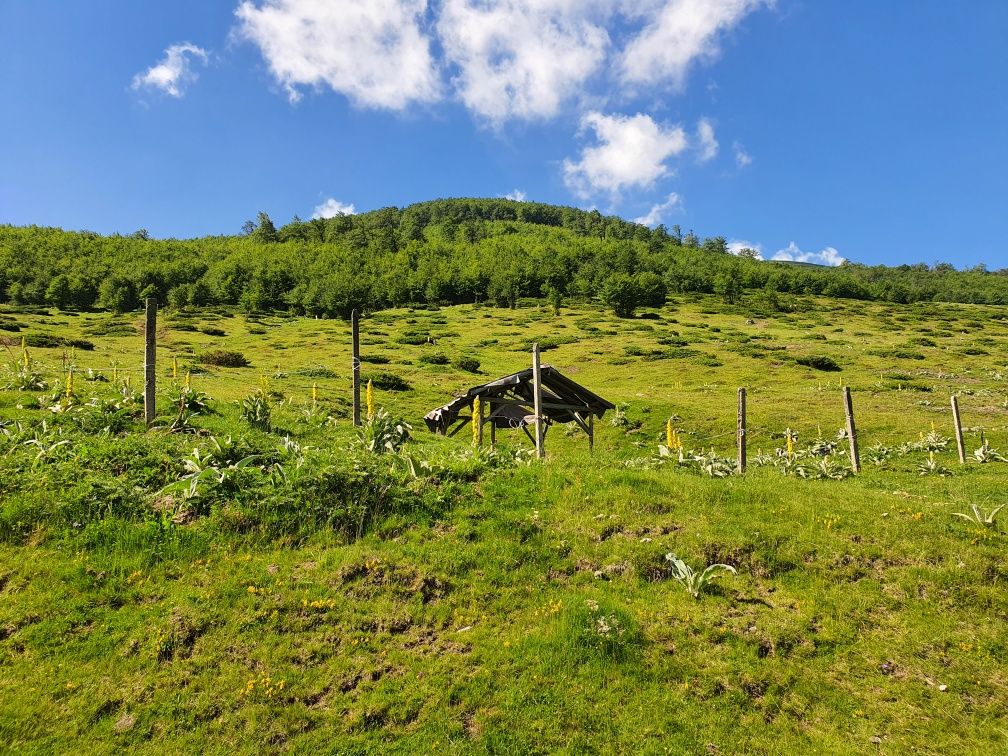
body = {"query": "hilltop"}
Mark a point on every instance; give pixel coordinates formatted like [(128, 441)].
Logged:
[(451, 251)]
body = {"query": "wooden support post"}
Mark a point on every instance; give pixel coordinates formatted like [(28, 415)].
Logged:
[(150, 359), (591, 433), (741, 467), (355, 362), (855, 458), (482, 416), (537, 394), (958, 430), (493, 426)]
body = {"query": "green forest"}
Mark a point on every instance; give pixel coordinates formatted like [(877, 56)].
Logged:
[(441, 252)]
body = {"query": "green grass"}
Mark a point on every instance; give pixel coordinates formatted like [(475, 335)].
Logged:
[(487, 606)]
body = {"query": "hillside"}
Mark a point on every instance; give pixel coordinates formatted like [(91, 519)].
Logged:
[(249, 576), (441, 252)]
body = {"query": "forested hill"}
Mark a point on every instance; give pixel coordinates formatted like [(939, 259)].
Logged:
[(444, 251)]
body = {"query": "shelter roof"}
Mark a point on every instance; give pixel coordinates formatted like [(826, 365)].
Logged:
[(561, 399)]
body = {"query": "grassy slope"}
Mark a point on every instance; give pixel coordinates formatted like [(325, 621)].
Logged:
[(476, 630)]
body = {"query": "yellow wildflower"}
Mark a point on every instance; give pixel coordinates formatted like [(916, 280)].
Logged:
[(477, 410)]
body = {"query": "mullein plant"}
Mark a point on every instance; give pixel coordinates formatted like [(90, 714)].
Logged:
[(673, 444), (369, 396), (477, 410), (69, 394)]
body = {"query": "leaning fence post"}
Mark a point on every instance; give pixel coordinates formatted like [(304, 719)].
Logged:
[(855, 458), (355, 365), (150, 359), (537, 397), (741, 430), (958, 430)]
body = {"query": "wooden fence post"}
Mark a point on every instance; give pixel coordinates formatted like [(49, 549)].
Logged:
[(537, 394), (855, 457), (741, 430), (493, 426), (150, 359), (591, 432), (355, 362), (482, 415), (958, 430)]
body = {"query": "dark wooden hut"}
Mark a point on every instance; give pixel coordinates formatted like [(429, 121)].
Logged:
[(509, 403)]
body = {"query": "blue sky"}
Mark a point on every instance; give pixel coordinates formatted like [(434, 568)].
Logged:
[(873, 131)]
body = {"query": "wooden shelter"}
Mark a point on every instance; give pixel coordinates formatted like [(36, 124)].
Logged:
[(510, 402)]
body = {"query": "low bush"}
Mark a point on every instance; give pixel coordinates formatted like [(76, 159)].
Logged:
[(819, 362), (467, 364), (213, 331), (387, 381), (223, 358), (434, 358)]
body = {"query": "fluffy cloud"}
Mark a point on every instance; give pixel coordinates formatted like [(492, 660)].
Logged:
[(373, 52), (827, 256), (657, 212), (706, 142), (676, 34), (332, 207), (507, 59), (631, 152), (742, 158), (735, 246), (517, 195), (174, 71), (520, 58)]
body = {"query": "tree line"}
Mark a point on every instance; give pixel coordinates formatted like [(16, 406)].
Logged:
[(439, 252)]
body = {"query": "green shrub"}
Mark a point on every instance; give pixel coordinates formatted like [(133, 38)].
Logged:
[(213, 331), (387, 381), (223, 358), (467, 364), (45, 341), (622, 294), (434, 358), (818, 362), (414, 338)]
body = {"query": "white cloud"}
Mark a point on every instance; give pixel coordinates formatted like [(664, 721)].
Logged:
[(827, 256), (520, 58), (332, 207), (735, 246), (373, 52), (507, 59), (631, 152), (742, 158), (173, 72), (677, 34), (657, 212), (517, 195), (706, 142)]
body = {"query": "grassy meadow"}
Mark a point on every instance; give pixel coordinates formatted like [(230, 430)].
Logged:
[(213, 585)]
